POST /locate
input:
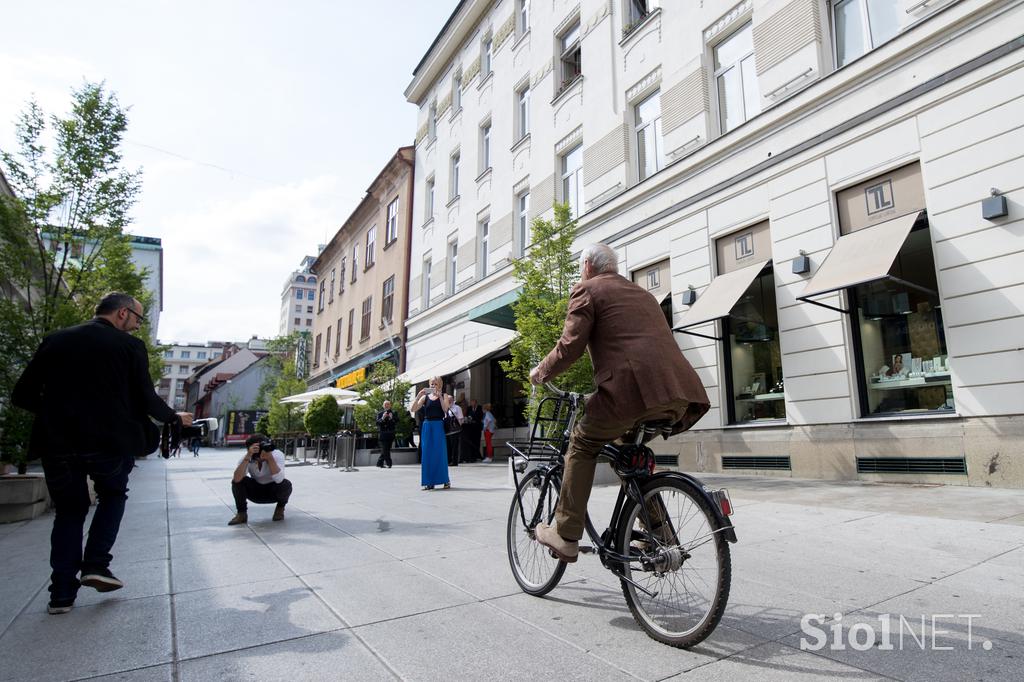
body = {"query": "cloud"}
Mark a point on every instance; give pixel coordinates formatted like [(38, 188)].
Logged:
[(225, 264)]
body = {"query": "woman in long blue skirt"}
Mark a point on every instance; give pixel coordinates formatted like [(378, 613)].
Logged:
[(434, 458)]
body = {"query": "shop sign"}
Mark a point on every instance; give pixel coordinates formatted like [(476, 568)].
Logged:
[(884, 197), (748, 246), (354, 377)]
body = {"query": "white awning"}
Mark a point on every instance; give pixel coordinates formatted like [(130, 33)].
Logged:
[(307, 397), (720, 296), (859, 257), (453, 363)]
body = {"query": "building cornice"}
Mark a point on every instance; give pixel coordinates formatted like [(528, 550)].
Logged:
[(460, 26)]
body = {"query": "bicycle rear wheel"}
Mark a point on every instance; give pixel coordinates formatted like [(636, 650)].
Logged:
[(683, 562), (533, 566)]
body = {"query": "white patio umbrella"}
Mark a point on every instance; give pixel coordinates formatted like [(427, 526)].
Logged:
[(339, 395)]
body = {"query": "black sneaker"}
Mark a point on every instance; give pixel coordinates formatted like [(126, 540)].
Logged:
[(102, 580), (58, 606)]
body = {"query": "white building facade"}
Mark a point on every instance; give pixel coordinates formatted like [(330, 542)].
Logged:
[(823, 195), (298, 298), (180, 361)]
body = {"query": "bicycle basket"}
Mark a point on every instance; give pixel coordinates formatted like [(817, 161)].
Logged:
[(549, 434)]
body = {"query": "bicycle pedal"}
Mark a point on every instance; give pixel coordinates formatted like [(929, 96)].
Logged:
[(587, 549)]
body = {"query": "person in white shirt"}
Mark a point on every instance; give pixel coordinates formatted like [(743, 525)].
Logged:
[(259, 477), (452, 438)]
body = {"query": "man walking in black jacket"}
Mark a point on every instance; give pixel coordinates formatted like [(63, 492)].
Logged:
[(90, 389), (386, 423)]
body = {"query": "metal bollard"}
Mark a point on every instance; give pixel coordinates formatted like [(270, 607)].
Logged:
[(347, 450)]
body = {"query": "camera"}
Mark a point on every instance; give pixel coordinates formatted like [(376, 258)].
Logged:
[(265, 446)]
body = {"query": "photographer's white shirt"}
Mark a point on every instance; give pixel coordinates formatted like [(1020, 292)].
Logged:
[(263, 475)]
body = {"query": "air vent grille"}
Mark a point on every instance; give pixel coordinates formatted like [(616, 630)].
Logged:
[(760, 462), (666, 460), (912, 465)]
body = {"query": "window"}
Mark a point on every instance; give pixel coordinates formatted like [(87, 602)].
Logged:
[(432, 122), (185, 354), (391, 228), (310, 295), (309, 322), (355, 261), (753, 355), (453, 189), (428, 203), (316, 352), (571, 52), (453, 265), (371, 246), (425, 294), (735, 79), (387, 299), (201, 355), (351, 326), (331, 294), (523, 221), (485, 146), (483, 237), (298, 294), (649, 159), (309, 309), (364, 324), (486, 53), (297, 322), (337, 338), (182, 369), (572, 180), (636, 12), (522, 17), (457, 92), (523, 112), (320, 304), (862, 25), (300, 278), (168, 354), (167, 370), (298, 308), (327, 345)]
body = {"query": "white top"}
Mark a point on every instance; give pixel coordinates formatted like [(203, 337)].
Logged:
[(457, 411), (262, 473)]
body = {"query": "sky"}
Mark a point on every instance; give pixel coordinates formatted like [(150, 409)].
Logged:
[(258, 127)]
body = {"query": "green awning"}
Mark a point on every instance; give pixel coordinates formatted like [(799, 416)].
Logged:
[(498, 311)]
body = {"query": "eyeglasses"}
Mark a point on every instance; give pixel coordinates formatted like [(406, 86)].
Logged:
[(142, 318)]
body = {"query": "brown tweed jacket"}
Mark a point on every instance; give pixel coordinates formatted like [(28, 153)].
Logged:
[(638, 366)]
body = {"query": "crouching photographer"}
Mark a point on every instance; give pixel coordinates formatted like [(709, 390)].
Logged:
[(259, 478)]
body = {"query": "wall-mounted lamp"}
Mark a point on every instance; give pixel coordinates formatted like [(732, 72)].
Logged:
[(689, 296), (994, 206), (802, 263)]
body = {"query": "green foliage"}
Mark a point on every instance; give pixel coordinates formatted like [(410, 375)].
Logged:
[(381, 385), (280, 382), (547, 274), (323, 417), (263, 425), (62, 245)]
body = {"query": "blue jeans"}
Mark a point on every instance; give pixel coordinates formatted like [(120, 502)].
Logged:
[(69, 492)]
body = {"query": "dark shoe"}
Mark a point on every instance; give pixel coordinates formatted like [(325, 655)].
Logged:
[(447, 486), (101, 580), (58, 606), (566, 550), (428, 487), (279, 513), (240, 517)]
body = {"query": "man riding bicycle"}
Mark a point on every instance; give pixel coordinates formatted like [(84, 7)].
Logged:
[(641, 375)]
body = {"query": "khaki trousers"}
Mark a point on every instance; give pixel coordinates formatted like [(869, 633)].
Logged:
[(585, 442)]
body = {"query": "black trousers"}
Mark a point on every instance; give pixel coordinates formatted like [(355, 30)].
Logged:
[(452, 441), (69, 492), (248, 489), (386, 440)]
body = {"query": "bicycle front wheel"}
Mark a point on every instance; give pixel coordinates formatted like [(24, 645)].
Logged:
[(682, 562), (533, 566)]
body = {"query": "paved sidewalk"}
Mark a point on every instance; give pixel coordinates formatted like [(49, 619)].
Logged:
[(370, 578)]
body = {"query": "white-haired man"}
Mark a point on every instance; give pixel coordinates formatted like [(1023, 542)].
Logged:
[(640, 375)]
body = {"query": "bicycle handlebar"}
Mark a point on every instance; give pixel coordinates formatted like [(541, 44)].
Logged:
[(555, 389)]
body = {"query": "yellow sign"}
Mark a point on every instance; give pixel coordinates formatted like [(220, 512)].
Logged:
[(352, 378)]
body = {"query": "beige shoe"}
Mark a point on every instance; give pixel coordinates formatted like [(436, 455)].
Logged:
[(566, 550)]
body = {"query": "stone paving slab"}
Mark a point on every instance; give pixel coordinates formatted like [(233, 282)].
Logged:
[(371, 578)]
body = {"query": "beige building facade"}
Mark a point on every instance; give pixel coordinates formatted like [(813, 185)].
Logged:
[(362, 289)]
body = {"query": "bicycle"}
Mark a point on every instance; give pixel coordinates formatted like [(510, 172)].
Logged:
[(671, 552)]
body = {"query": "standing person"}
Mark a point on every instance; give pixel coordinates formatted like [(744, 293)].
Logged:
[(195, 443), (475, 420), (432, 403), (93, 426), (640, 374), (386, 423), (490, 425), (453, 434)]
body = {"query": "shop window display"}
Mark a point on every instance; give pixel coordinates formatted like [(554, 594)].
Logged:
[(903, 360)]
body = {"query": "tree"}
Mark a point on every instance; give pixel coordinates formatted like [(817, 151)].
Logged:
[(322, 416), (62, 244), (546, 274), (280, 382), (381, 385)]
